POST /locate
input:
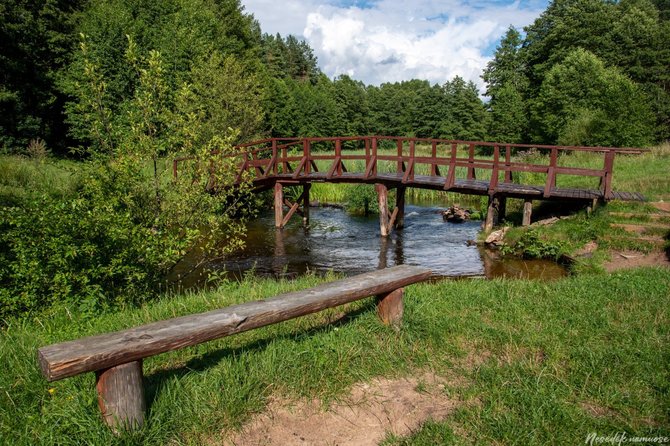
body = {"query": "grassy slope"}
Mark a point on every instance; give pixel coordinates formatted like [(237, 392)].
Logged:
[(552, 362)]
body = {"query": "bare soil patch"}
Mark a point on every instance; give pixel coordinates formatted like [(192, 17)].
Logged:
[(634, 259), (364, 417), (662, 205)]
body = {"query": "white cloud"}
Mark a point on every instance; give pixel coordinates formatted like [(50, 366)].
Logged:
[(394, 40)]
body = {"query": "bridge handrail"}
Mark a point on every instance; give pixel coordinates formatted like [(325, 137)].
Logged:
[(267, 155)]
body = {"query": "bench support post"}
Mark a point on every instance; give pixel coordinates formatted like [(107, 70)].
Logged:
[(121, 396), (390, 308)]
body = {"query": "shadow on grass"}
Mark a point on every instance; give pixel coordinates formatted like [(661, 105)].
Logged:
[(156, 382)]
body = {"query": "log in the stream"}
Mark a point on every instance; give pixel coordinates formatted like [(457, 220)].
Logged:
[(103, 351)]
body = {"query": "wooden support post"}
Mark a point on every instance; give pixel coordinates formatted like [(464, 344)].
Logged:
[(279, 205), (502, 207), (390, 308), (305, 203), (121, 396), (527, 212), (400, 205), (592, 207), (491, 214), (382, 198)]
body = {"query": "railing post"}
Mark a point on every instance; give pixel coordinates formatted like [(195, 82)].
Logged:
[(412, 147), (373, 160), (493, 184), (434, 170), (607, 180), (471, 160), (400, 163), (338, 156), (306, 146), (551, 173), (508, 164), (174, 170), (275, 167)]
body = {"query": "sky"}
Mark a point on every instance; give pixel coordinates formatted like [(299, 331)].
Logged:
[(394, 40)]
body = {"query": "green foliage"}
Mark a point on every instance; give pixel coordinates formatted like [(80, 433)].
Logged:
[(36, 41), (506, 86), (582, 102), (466, 117), (193, 39), (629, 35), (130, 221), (531, 245), (361, 199)]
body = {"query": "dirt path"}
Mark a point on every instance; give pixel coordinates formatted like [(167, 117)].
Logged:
[(632, 259), (362, 418)]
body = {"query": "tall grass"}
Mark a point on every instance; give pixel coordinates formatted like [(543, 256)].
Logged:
[(541, 363), (20, 176)]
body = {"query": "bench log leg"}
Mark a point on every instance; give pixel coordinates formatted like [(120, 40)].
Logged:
[(389, 307), (121, 396)]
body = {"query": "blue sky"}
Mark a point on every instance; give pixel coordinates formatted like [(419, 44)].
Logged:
[(394, 40)]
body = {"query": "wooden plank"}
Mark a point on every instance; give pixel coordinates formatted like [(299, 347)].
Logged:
[(71, 358)]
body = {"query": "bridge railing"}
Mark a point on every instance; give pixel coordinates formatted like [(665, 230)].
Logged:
[(401, 156)]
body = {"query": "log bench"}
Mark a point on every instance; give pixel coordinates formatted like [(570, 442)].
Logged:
[(116, 358)]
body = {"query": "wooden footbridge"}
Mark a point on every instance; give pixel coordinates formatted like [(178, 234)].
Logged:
[(522, 171)]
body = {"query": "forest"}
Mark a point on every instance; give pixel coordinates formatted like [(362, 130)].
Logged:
[(588, 72), (114, 88)]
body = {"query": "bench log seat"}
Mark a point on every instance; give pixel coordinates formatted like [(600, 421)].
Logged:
[(116, 357)]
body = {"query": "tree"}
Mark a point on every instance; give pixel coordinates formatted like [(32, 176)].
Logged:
[(466, 118), (184, 33), (581, 101), (352, 106), (630, 34), (506, 85), (35, 43)]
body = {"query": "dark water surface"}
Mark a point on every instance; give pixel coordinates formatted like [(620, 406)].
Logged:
[(335, 240)]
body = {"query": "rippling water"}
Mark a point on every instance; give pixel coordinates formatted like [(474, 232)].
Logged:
[(335, 240)]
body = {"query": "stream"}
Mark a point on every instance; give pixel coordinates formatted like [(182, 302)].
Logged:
[(335, 240)]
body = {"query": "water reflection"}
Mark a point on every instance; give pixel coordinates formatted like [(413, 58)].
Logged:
[(349, 244)]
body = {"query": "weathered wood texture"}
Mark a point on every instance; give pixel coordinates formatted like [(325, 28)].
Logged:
[(71, 358), (390, 307), (263, 159), (382, 200), (121, 395), (527, 212)]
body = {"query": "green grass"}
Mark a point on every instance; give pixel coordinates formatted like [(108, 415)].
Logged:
[(545, 355), (20, 176)]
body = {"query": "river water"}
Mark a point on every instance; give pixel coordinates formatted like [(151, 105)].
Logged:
[(334, 240)]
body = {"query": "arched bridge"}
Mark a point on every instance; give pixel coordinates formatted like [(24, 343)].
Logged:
[(497, 170)]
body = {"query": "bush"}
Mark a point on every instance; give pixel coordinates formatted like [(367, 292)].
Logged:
[(532, 246)]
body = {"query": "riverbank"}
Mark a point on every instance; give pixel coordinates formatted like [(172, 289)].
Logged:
[(521, 361)]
